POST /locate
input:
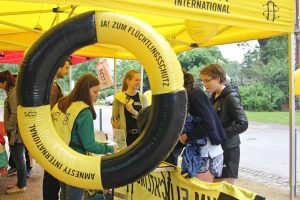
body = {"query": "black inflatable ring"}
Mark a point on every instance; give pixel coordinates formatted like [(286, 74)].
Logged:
[(168, 101)]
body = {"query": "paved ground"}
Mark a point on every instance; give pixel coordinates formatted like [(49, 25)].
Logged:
[(264, 163), (266, 147)]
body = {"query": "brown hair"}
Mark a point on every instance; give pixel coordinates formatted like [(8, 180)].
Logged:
[(9, 78), (188, 80), (80, 93), (69, 60), (215, 71), (128, 76)]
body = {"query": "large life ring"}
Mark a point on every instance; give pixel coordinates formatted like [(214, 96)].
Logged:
[(168, 102)]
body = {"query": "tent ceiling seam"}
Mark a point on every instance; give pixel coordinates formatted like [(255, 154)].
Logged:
[(72, 11), (10, 33), (168, 25), (15, 43), (224, 29), (25, 12), (180, 42), (20, 27)]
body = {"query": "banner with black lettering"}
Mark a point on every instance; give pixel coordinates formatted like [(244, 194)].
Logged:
[(103, 73), (170, 184)]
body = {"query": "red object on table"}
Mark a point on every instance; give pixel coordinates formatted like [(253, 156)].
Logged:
[(2, 129)]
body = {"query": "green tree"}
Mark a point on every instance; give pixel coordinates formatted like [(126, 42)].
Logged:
[(266, 70), (196, 58), (13, 68), (88, 67)]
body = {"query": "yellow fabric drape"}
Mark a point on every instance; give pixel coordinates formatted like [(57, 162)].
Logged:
[(23, 22)]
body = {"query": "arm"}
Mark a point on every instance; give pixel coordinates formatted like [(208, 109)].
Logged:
[(145, 101), (85, 132), (201, 107), (234, 108), (12, 123), (115, 116)]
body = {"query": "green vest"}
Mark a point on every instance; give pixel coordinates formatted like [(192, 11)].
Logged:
[(63, 123)]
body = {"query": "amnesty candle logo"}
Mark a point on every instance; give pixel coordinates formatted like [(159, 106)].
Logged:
[(220, 6), (270, 12), (30, 114)]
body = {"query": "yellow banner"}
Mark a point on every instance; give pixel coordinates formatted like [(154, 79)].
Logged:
[(214, 22), (276, 15), (162, 184)]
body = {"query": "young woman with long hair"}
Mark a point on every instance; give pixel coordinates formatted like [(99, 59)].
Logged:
[(80, 112), (126, 105)]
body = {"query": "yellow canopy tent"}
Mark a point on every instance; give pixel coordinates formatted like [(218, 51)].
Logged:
[(185, 24)]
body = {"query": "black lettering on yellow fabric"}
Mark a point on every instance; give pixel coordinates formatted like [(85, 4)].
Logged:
[(212, 6), (118, 25), (104, 23), (154, 51), (37, 140), (79, 174)]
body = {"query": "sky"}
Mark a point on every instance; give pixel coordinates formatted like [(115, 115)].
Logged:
[(235, 53)]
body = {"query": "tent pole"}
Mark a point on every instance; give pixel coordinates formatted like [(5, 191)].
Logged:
[(142, 78), (115, 76), (292, 130)]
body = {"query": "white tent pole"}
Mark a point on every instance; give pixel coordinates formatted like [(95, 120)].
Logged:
[(115, 76), (142, 78), (293, 141)]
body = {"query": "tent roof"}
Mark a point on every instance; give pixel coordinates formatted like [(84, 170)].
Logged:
[(184, 23), (16, 57)]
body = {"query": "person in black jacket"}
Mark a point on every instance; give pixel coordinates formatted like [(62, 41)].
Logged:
[(227, 103), (203, 156)]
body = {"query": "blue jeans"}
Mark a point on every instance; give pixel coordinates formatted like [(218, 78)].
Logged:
[(17, 153), (68, 192)]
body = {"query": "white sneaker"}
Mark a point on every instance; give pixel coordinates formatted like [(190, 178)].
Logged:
[(15, 189)]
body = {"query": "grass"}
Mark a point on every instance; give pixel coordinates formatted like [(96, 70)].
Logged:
[(272, 117)]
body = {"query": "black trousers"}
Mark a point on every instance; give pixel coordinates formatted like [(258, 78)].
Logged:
[(51, 187), (231, 162), (27, 157), (11, 162)]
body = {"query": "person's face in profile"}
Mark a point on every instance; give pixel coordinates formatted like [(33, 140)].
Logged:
[(3, 85), (135, 82), (94, 92), (211, 84), (64, 70)]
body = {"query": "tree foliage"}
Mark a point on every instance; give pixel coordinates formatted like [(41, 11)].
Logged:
[(266, 71), (262, 76), (196, 58)]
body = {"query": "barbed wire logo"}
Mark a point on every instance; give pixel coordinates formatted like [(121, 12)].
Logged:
[(271, 11)]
